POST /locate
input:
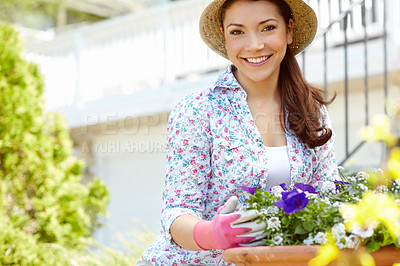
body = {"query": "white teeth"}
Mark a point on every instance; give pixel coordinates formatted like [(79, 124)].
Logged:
[(257, 60)]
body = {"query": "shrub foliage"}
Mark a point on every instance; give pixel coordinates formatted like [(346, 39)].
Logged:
[(44, 207)]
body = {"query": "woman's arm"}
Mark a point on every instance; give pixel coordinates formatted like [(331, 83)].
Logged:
[(228, 229), (188, 168), (181, 231)]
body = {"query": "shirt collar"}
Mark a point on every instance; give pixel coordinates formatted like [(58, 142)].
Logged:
[(227, 79)]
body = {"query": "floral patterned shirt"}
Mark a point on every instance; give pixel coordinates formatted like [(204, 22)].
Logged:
[(214, 148)]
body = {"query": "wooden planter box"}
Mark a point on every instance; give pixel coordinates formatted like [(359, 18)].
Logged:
[(297, 255)]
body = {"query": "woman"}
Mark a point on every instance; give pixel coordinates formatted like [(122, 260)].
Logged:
[(261, 124)]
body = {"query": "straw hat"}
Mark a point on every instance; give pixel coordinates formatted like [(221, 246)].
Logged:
[(305, 26)]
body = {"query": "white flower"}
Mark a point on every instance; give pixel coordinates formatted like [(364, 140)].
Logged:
[(352, 241), (277, 240), (320, 238), (365, 231), (311, 195), (254, 205), (336, 219), (363, 187), (328, 187), (340, 245), (274, 223), (396, 186), (277, 191), (326, 201), (379, 171), (381, 189), (309, 240), (272, 211), (362, 175), (352, 179), (339, 230), (340, 168), (337, 204)]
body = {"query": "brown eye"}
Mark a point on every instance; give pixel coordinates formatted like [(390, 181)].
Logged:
[(236, 32), (269, 28)]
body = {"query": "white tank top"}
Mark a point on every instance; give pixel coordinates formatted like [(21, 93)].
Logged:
[(278, 166)]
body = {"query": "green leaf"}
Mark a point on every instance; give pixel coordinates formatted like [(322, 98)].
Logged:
[(299, 230), (309, 226), (284, 220), (373, 246)]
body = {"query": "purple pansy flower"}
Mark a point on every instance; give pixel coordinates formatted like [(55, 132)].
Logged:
[(292, 201), (251, 190), (305, 187), (283, 185)]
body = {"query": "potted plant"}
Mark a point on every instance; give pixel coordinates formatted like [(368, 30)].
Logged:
[(354, 221)]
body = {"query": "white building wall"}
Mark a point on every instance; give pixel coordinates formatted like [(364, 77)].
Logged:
[(130, 158)]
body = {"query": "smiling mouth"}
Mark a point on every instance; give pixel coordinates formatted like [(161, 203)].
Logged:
[(257, 60)]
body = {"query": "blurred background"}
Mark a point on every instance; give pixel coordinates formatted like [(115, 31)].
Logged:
[(115, 69)]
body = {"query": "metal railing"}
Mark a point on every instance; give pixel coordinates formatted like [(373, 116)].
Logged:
[(355, 17)]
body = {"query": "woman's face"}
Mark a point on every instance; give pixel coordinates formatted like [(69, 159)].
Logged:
[(256, 37)]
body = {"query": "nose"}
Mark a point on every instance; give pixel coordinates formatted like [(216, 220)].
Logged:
[(255, 42)]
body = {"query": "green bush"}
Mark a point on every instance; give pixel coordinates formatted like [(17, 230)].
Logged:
[(44, 207)]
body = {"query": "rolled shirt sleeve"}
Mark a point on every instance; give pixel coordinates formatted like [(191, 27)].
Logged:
[(188, 168)]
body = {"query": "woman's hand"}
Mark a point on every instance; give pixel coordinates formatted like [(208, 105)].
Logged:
[(228, 229)]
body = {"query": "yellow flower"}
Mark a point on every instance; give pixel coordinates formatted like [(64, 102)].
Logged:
[(326, 253), (367, 260), (364, 216), (393, 165)]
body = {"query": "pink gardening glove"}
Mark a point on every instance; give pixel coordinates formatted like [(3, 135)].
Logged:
[(228, 229)]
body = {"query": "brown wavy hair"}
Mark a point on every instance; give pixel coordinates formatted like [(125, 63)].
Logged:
[(302, 101)]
